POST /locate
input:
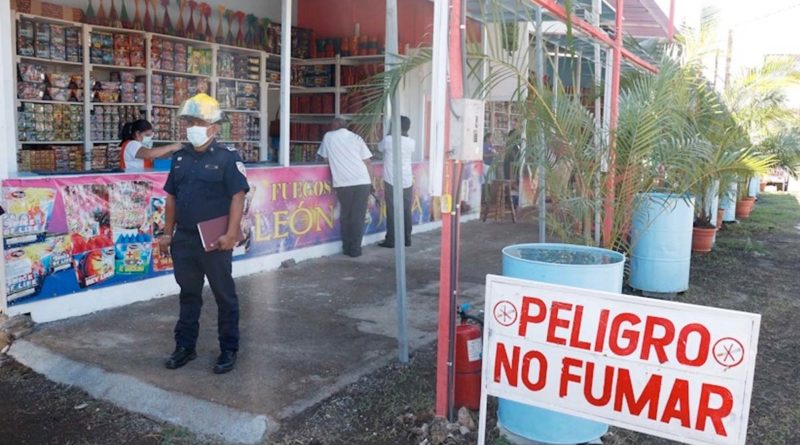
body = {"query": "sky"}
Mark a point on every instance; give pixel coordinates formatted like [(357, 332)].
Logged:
[(760, 27)]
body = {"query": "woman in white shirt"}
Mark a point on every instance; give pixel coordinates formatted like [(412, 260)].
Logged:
[(407, 150), (137, 146)]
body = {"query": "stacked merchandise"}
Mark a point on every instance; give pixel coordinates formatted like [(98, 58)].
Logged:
[(240, 127), (105, 156), (304, 152), (306, 132), (174, 90), (68, 158), (37, 82), (117, 49), (48, 41), (273, 70), (167, 126), (301, 41), (39, 159), (248, 151), (179, 57), (239, 66), (353, 75), (107, 120), (357, 45), (312, 76), (238, 95), (312, 104), (50, 122), (132, 88)]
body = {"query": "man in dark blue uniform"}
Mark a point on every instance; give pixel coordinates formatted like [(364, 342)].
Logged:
[(207, 180)]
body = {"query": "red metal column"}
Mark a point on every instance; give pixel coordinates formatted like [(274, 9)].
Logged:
[(608, 207), (449, 252), (671, 25)]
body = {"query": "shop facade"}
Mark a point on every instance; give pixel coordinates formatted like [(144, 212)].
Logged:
[(79, 235)]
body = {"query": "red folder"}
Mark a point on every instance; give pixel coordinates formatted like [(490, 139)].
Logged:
[(211, 230)]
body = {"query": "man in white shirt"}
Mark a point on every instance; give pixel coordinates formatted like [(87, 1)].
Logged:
[(408, 146), (348, 157)]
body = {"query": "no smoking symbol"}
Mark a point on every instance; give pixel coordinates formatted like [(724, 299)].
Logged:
[(728, 352), (505, 313)]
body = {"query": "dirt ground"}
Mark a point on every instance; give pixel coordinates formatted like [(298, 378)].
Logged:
[(753, 268)]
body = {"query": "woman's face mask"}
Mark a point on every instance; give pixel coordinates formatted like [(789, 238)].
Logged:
[(147, 141), (197, 135)]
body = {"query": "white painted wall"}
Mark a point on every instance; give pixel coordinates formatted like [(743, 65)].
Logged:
[(511, 65)]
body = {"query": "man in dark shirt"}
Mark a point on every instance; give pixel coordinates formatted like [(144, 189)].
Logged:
[(207, 180)]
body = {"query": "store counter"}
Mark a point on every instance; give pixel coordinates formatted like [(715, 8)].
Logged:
[(65, 234)]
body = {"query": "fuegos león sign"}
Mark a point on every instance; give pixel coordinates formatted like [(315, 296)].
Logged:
[(670, 369)]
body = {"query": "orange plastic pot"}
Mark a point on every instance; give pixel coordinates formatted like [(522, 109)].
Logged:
[(744, 207), (703, 239)]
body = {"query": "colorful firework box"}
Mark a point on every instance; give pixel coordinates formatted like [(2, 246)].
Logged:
[(133, 254), (26, 269), (28, 211)]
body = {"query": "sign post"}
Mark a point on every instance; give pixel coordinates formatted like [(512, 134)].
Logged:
[(669, 369)]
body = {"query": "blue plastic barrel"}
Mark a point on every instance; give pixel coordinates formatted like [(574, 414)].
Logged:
[(755, 183), (712, 198), (728, 202), (661, 243), (599, 269)]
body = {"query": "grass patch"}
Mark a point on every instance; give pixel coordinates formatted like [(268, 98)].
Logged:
[(774, 213)]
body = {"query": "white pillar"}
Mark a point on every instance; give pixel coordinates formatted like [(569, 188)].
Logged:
[(8, 139), (286, 78)]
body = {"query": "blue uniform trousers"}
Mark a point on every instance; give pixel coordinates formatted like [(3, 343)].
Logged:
[(192, 264)]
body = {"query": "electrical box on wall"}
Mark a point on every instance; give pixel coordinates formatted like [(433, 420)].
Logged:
[(466, 129)]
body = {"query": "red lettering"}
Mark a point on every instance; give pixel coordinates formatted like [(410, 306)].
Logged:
[(525, 317), (556, 322), (566, 376), (677, 406), (574, 338), (704, 411), (702, 350), (504, 364), (657, 343), (649, 395), (608, 385), (602, 326), (526, 365), (628, 334)]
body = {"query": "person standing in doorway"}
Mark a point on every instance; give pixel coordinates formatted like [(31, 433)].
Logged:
[(407, 151), (348, 157), (207, 180)]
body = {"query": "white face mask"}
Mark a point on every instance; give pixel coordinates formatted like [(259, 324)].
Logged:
[(147, 141), (197, 136)]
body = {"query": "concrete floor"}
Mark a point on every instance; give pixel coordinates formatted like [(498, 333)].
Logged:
[(307, 331)]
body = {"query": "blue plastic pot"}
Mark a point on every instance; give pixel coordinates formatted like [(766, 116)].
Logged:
[(661, 241), (601, 269), (754, 185), (712, 198), (728, 203)]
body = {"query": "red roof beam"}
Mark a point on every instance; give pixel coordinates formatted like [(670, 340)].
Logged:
[(598, 34)]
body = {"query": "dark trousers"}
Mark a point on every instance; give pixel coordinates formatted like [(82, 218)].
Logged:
[(192, 264), (352, 210), (388, 193)]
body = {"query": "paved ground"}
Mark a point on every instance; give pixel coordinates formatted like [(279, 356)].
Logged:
[(307, 331)]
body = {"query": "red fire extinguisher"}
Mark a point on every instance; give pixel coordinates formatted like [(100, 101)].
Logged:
[(468, 360)]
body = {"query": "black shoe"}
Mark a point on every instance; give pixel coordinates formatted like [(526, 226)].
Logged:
[(353, 254), (180, 357), (386, 244), (225, 362), (408, 243)]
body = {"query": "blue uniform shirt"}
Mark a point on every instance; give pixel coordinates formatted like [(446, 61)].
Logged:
[(203, 184)]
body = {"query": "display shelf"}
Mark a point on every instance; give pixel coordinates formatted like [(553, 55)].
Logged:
[(304, 142), (103, 28), (234, 110), (239, 142), (50, 20), (233, 79), (165, 106), (101, 66), (51, 142), (48, 61), (115, 141), (52, 102), (296, 89), (362, 60), (120, 104), (178, 73)]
